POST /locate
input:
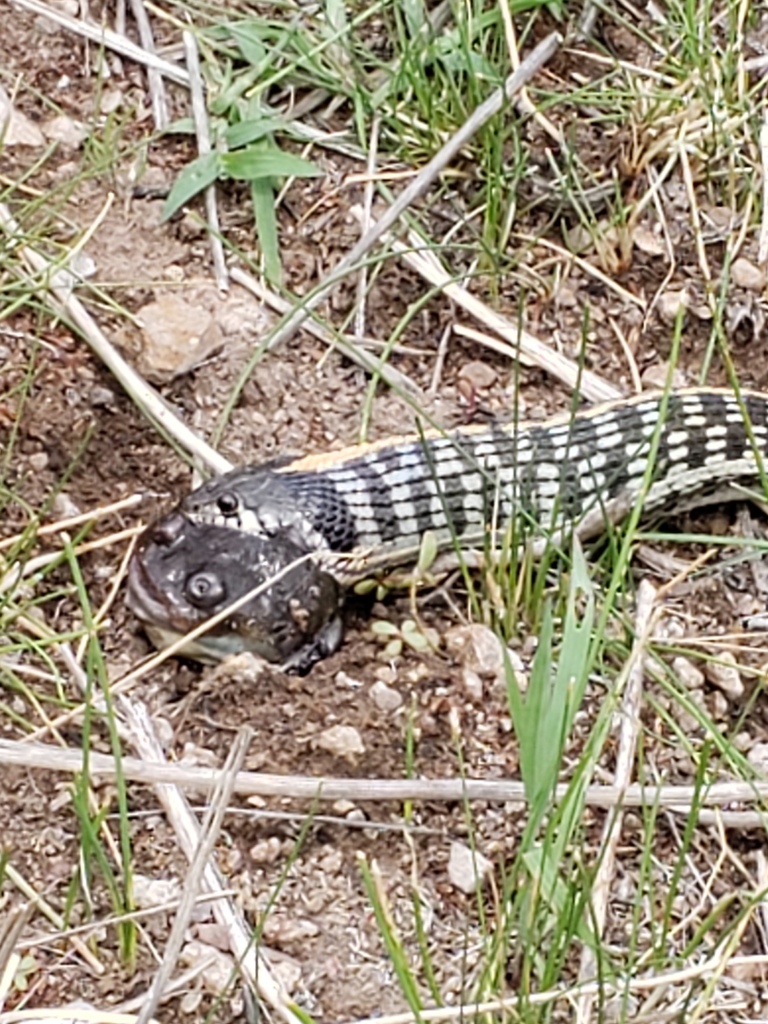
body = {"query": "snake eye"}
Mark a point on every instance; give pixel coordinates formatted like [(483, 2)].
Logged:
[(227, 503), (204, 590)]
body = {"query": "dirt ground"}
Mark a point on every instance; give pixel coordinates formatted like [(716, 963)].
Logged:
[(73, 441)]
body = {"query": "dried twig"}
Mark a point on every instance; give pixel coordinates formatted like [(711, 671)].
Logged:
[(625, 759), (201, 868), (519, 343), (186, 827), (348, 348), (420, 184), (301, 787), (154, 75), (762, 250), (202, 131), (106, 37)]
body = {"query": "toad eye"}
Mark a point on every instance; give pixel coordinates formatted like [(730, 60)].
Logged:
[(227, 503), (204, 590)]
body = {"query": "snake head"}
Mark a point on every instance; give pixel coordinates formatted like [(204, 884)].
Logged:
[(301, 509)]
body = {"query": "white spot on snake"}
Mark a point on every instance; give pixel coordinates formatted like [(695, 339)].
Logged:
[(679, 457)]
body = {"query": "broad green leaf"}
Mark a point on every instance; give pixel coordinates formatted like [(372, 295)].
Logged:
[(181, 126), (263, 199), (365, 586), (427, 552), (543, 717), (383, 628), (250, 164), (238, 135), (196, 176), (247, 36)]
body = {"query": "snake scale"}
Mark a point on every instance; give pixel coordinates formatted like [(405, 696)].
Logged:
[(354, 513)]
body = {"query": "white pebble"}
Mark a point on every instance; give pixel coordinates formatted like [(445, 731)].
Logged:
[(341, 741), (746, 274), (386, 698), (467, 869), (725, 676), (689, 674)]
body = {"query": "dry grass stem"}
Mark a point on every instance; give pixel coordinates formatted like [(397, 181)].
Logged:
[(349, 347), (198, 864), (520, 343), (252, 964), (679, 798), (631, 675), (154, 77), (533, 62), (203, 134), (106, 37)]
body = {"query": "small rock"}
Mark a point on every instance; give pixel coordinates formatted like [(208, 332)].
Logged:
[(671, 303), (476, 647), (689, 675), (385, 697), (176, 337), (194, 755), (111, 100), (341, 679), (287, 973), (219, 968), (71, 134), (480, 375), (153, 892), (70, 7), (743, 741), (100, 396), (332, 862), (266, 851), (687, 721), (38, 461), (191, 227), (190, 1002), (473, 684), (341, 741), (721, 707), (758, 758), (648, 241), (282, 929), (385, 673), (746, 274), (467, 869), (566, 296), (343, 807), (82, 265), (655, 376), (213, 934), (724, 674), (15, 128)]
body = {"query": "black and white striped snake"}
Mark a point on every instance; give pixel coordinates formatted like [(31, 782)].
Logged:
[(366, 509)]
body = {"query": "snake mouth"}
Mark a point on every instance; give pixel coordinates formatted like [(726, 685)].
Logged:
[(144, 599)]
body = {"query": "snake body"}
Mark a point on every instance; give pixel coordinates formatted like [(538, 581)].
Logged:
[(366, 509)]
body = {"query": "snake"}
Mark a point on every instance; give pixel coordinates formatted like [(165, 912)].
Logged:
[(322, 523)]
